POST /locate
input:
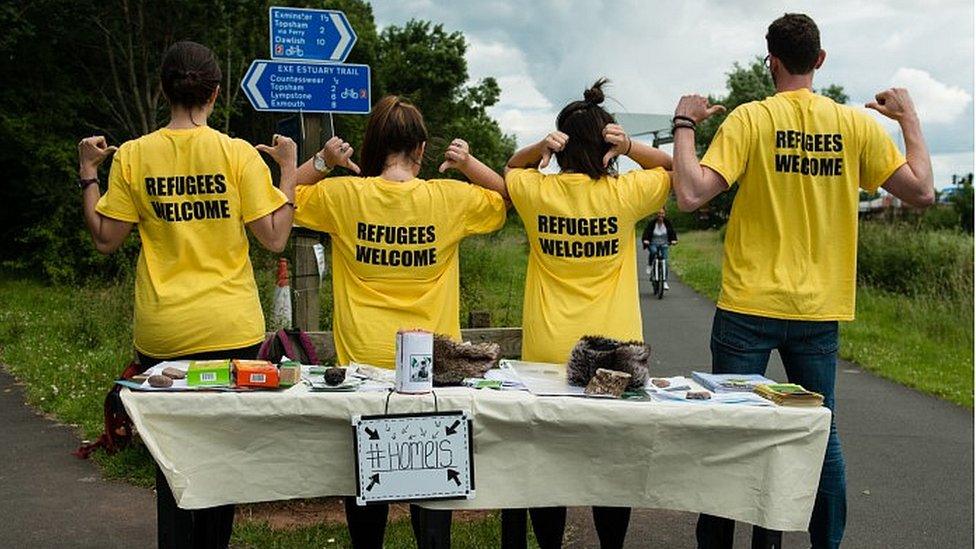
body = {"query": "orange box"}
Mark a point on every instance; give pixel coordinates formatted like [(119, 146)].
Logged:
[(255, 373)]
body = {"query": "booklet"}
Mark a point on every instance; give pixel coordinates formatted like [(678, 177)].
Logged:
[(730, 383)]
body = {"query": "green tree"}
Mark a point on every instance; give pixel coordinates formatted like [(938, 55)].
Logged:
[(744, 84), (962, 201), (74, 69), (424, 63)]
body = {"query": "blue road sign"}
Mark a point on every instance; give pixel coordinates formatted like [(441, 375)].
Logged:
[(312, 35), (308, 87)]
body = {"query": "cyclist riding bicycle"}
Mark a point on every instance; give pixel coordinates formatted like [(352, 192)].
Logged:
[(658, 236)]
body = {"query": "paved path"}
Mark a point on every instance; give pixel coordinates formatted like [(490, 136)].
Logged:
[(49, 498), (909, 456)]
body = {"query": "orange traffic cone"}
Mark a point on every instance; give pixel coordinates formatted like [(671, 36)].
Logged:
[(281, 306)]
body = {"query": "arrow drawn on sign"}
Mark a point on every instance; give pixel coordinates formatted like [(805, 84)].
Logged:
[(252, 85), (453, 428), (375, 479), (452, 475), (373, 435), (345, 36)]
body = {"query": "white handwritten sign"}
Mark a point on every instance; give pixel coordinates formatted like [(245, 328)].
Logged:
[(404, 457)]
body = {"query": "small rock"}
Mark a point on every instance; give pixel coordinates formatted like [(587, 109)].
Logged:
[(866, 492), (174, 373), (661, 383), (698, 395), (334, 376), (160, 381)]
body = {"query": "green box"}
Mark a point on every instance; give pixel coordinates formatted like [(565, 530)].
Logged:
[(208, 373)]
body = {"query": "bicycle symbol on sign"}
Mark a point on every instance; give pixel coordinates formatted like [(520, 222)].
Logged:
[(350, 93)]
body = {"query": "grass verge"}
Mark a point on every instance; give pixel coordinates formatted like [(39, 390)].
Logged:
[(923, 341), (68, 344)]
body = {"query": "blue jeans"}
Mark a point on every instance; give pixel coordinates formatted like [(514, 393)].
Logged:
[(652, 251), (741, 345)]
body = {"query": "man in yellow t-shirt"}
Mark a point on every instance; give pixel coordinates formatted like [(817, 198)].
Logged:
[(788, 273)]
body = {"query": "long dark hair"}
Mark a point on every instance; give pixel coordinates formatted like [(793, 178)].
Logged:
[(395, 126), (583, 121), (189, 74)]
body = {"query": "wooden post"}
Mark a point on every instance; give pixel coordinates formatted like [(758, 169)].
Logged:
[(305, 281), (479, 319)]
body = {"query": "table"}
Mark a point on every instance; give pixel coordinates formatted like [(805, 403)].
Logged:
[(757, 465)]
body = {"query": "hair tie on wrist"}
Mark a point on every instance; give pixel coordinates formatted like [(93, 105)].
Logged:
[(685, 118), (630, 143)]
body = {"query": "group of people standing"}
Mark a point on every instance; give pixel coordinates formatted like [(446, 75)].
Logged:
[(788, 275)]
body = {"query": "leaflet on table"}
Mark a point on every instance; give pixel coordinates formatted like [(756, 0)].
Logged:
[(680, 397), (668, 384), (541, 379), (728, 383)]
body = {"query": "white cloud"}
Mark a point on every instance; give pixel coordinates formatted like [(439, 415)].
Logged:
[(944, 166), (548, 52), (936, 102)]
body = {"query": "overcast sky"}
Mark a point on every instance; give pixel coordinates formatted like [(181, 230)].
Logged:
[(544, 53)]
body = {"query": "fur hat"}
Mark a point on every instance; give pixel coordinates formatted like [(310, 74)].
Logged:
[(455, 361), (594, 352)]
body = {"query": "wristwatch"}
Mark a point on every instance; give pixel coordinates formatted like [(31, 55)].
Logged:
[(318, 162)]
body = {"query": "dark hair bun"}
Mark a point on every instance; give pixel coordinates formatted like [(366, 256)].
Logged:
[(189, 74), (594, 95)]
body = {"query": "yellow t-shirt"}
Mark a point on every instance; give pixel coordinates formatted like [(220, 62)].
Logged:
[(791, 243), (394, 255), (582, 273), (191, 192)]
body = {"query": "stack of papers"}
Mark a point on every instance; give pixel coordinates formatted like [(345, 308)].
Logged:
[(730, 383), (789, 394)]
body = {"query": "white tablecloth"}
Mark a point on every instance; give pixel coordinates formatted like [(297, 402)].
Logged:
[(758, 465)]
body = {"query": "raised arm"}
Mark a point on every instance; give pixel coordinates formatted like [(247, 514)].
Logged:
[(646, 156), (913, 182), (537, 155), (694, 184), (272, 230), (107, 233), (459, 157), (336, 152)]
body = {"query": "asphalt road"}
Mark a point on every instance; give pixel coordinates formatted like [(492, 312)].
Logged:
[(909, 456), (49, 498)]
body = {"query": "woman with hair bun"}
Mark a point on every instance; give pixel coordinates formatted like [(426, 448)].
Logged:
[(192, 191), (395, 248), (582, 272)]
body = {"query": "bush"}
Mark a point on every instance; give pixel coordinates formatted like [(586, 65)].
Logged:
[(905, 259), (940, 217)]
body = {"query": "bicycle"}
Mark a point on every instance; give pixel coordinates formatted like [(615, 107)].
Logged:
[(658, 270)]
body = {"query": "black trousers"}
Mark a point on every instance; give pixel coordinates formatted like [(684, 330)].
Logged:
[(549, 524), (201, 528), (367, 525)]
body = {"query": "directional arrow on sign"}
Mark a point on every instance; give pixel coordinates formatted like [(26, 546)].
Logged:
[(454, 475), (375, 479), (310, 34), (453, 428), (283, 86), (373, 435)]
